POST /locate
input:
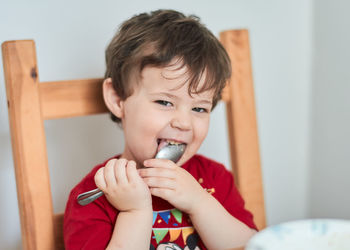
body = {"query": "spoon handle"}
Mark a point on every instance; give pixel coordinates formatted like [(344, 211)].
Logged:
[(88, 197)]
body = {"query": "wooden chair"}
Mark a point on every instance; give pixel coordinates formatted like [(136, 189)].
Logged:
[(30, 102)]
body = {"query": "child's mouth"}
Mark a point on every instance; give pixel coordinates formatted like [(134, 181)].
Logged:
[(165, 142)]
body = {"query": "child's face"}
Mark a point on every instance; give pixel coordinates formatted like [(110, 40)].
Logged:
[(159, 109)]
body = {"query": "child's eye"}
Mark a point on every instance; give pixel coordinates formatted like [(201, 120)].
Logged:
[(164, 103), (200, 110)]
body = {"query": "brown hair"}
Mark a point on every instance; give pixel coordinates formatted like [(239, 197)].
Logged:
[(155, 39)]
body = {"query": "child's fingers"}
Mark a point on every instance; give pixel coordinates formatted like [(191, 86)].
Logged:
[(120, 172), (159, 163), (159, 182), (157, 172), (109, 174), (131, 172), (163, 193), (100, 179)]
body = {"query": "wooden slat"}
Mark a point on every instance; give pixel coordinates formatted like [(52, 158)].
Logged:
[(58, 222), (240, 106), (71, 98), (28, 145)]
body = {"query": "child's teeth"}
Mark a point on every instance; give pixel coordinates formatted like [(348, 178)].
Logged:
[(163, 143), (173, 142)]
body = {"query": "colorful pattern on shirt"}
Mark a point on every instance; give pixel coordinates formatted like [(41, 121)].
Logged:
[(170, 223)]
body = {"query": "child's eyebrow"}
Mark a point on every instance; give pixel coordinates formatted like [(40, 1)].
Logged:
[(204, 101), (166, 94)]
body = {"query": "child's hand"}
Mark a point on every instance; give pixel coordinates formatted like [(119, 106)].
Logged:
[(122, 185), (172, 183)]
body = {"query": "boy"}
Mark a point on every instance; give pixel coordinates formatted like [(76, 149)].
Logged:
[(165, 73)]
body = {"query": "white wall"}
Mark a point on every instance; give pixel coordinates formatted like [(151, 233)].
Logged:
[(71, 37), (330, 144)]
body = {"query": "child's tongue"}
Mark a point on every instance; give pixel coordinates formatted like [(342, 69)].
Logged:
[(162, 144)]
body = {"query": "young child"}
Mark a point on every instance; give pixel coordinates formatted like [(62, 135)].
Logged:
[(165, 73)]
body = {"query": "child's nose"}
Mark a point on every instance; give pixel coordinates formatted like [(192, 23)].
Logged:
[(181, 120)]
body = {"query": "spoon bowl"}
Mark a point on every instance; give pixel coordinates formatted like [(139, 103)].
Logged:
[(171, 152)]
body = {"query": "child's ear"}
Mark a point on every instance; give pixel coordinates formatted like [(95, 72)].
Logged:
[(112, 100)]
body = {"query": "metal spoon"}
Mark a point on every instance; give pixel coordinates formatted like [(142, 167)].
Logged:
[(171, 152)]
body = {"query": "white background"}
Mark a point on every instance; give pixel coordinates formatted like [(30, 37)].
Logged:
[(300, 65)]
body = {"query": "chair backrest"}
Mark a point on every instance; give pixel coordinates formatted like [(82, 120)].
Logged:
[(242, 125), (30, 102)]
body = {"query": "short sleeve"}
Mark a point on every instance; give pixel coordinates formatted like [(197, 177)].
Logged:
[(229, 196), (90, 226)]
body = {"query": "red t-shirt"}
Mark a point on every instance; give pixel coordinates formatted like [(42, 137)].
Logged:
[(91, 226)]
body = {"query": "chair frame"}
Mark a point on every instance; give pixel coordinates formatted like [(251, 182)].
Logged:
[(30, 102)]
